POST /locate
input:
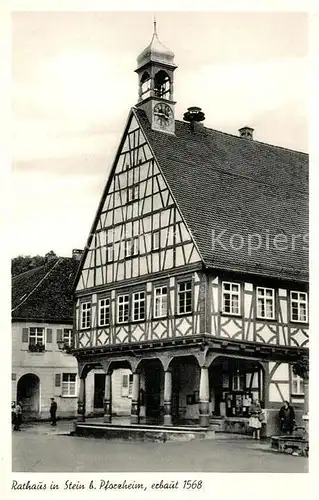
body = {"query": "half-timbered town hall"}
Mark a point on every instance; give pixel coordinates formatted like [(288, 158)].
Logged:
[(195, 272)]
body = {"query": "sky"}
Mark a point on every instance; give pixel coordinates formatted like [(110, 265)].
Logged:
[(73, 84)]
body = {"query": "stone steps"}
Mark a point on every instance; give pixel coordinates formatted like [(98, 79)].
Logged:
[(141, 432)]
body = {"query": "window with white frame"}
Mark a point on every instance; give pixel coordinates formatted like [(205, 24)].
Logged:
[(122, 308), (68, 337), (138, 306), (265, 303), (132, 194), (156, 240), (160, 301), (299, 306), (104, 312), (238, 381), (85, 321), (68, 384), (230, 298), (184, 302), (297, 386), (127, 385), (135, 245), (131, 247), (109, 253), (127, 248), (36, 336)]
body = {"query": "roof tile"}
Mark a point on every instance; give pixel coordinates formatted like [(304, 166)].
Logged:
[(237, 186)]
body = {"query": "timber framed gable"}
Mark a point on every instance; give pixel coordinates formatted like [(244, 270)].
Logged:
[(138, 229)]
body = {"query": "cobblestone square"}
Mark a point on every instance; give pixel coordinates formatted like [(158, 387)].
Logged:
[(41, 448)]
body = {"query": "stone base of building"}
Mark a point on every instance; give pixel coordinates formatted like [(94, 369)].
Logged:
[(141, 432), (45, 416), (240, 425)]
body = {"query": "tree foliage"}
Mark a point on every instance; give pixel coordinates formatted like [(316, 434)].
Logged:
[(301, 367), (24, 263)]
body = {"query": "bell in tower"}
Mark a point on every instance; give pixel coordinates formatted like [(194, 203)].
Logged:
[(155, 69)]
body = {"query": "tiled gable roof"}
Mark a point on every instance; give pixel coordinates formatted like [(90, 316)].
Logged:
[(232, 185), (45, 293)]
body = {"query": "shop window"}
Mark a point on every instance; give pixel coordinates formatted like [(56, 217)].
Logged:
[(238, 381)]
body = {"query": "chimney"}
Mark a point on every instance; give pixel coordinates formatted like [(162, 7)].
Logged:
[(246, 132), (194, 115), (77, 254)]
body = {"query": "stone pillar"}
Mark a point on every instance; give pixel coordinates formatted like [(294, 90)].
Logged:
[(168, 398), (107, 417), (306, 395), (204, 397), (142, 399), (305, 416), (135, 410), (81, 401)]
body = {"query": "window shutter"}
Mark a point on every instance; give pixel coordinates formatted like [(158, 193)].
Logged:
[(25, 334), (57, 380), (49, 335), (59, 335)]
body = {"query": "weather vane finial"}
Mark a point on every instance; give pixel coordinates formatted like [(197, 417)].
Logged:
[(155, 33)]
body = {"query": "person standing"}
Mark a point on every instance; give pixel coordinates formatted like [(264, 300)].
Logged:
[(53, 410), (287, 418), (18, 416), (255, 413), (13, 412)]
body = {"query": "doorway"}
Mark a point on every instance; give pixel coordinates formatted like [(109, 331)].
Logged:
[(28, 393), (235, 383), (99, 389), (154, 386)]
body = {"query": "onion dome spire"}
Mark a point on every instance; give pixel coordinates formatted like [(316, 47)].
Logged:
[(156, 52)]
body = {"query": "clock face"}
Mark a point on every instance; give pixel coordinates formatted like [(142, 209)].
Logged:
[(163, 114)]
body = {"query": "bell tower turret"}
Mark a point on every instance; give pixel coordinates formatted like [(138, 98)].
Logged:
[(155, 70)]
